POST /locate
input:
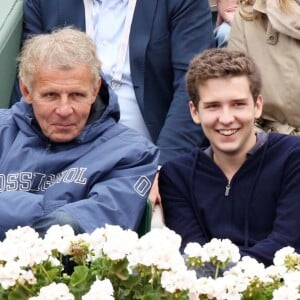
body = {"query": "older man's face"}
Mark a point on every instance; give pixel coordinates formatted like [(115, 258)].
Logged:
[(62, 100)]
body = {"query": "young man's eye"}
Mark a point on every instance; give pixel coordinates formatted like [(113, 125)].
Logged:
[(212, 106), (239, 104)]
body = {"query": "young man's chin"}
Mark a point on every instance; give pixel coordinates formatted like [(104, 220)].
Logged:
[(226, 148)]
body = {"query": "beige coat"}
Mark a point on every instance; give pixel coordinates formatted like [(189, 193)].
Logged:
[(278, 57)]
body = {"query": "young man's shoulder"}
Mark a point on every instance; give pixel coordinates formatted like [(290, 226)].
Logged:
[(284, 141), (284, 148)]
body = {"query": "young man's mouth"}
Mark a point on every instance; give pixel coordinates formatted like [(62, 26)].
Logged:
[(227, 132)]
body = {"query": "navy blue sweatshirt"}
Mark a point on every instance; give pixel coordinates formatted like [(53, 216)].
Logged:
[(259, 210)]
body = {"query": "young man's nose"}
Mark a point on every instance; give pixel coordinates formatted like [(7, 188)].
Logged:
[(226, 116)]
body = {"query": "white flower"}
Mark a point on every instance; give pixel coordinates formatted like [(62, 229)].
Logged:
[(54, 261), (119, 243), (9, 274), (25, 258), (54, 291), (275, 272), (27, 276), (97, 240), (81, 238), (24, 246), (32, 254), (196, 250), (60, 238), (223, 250), (178, 280), (280, 255), (286, 293), (8, 251), (247, 268), (100, 290), (206, 286), (159, 248), (292, 279), (230, 287), (21, 234)]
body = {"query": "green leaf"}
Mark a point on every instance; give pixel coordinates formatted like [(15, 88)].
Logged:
[(152, 296), (81, 281), (18, 294), (119, 268), (79, 275)]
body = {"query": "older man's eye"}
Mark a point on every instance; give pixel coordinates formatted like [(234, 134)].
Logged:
[(49, 95), (78, 96)]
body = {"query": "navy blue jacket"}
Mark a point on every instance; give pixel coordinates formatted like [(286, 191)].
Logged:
[(164, 36), (102, 177), (260, 214)]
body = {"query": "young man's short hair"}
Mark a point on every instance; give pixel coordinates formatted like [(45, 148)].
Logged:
[(221, 63)]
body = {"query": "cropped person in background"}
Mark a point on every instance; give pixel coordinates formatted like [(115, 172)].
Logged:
[(226, 11), (145, 47), (64, 157), (269, 31), (245, 186)]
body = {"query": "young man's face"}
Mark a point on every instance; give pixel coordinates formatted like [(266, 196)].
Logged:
[(227, 112), (61, 101)]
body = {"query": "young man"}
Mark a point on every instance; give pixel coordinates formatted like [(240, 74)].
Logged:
[(64, 158), (246, 185)]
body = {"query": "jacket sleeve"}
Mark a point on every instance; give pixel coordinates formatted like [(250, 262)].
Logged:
[(19, 208), (32, 18), (40, 16), (178, 210), (285, 231), (120, 197), (191, 32)]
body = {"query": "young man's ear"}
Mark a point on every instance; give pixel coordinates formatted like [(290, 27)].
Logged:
[(258, 106), (194, 113), (25, 91)]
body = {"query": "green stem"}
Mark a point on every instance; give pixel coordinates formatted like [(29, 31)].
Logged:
[(46, 273), (217, 271), (26, 288)]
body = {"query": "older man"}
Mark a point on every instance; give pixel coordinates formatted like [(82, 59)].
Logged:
[(64, 158), (146, 47)]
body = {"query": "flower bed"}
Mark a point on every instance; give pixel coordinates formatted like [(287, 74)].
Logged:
[(112, 263)]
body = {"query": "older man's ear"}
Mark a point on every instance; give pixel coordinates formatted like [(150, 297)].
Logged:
[(25, 91)]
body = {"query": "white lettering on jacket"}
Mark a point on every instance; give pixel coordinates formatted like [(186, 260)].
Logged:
[(37, 182)]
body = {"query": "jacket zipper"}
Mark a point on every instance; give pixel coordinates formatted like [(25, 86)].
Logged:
[(227, 189)]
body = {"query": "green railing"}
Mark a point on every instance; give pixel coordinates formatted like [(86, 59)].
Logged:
[(11, 14)]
